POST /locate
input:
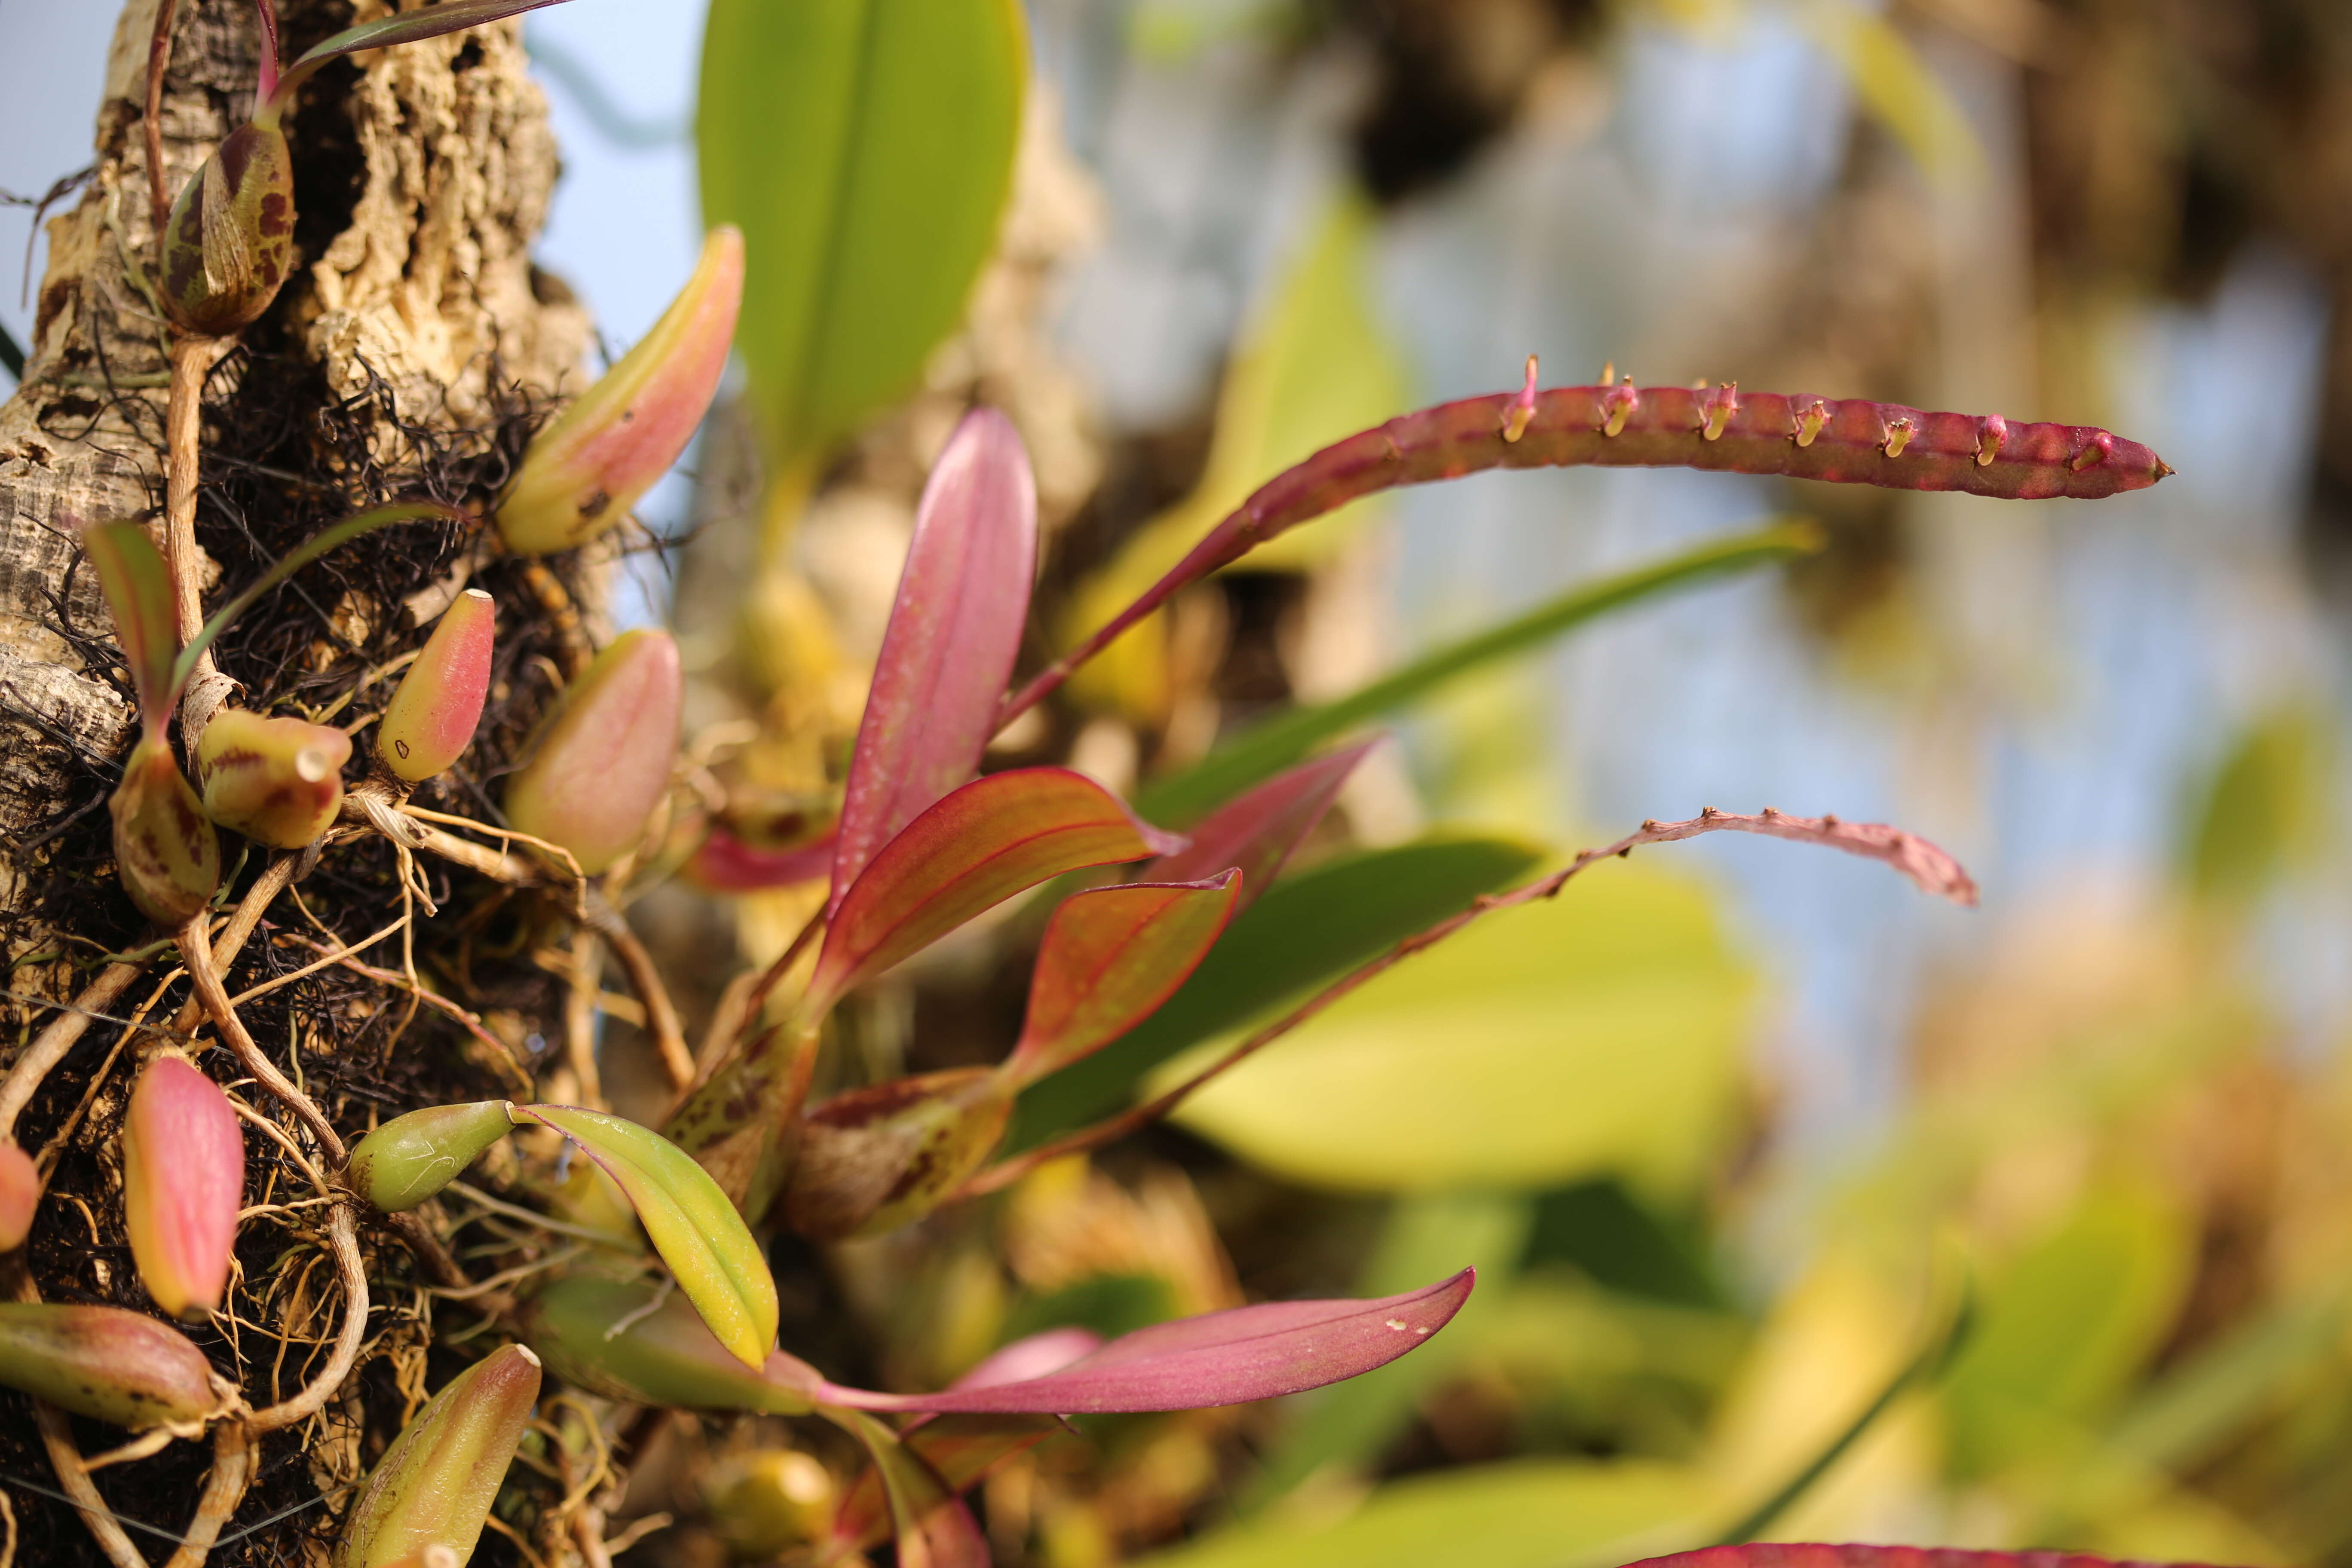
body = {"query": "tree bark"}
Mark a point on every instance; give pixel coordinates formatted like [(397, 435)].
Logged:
[(422, 175)]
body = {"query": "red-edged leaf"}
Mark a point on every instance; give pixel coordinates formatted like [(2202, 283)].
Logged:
[(962, 1450), (725, 864), (1221, 1358), (138, 589), (1810, 1556), (985, 842), (1110, 957), (932, 1526), (953, 635), (1258, 829)]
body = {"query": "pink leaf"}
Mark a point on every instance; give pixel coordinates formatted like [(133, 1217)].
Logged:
[(1222, 1358), (183, 1176), (953, 635), (1110, 957), (1259, 829), (981, 845), (725, 864)]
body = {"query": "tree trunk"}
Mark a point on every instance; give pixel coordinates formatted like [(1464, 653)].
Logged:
[(411, 354)]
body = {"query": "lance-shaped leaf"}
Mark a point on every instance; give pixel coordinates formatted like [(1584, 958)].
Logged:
[(107, 1363), (725, 864), (1110, 958), (410, 1158), (1281, 740), (183, 1174), (434, 1485), (430, 718), (138, 589), (696, 1229), (1219, 1358), (584, 471), (605, 758), (165, 852), (20, 1195), (229, 241), (1258, 832), (864, 238), (992, 838), (632, 1340), (280, 781), (929, 1523), (766, 1502), (954, 632), (878, 1158), (408, 27)]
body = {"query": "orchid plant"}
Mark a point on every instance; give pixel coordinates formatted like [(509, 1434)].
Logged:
[(666, 1299)]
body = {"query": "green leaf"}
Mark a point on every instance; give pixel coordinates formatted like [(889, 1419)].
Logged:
[(1266, 749), (138, 589), (1522, 1513), (1597, 1031), (717, 1261), (1309, 929), (2066, 1326), (864, 147)]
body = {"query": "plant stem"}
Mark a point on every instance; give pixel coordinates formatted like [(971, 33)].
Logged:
[(193, 359), (34, 1065), (159, 60), (645, 979), (1934, 871), (197, 954)]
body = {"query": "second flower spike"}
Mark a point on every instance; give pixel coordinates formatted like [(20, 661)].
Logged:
[(603, 760), (183, 1175), (584, 471)]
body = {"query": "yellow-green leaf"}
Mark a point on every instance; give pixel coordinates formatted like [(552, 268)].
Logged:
[(709, 1248), (865, 148), (1522, 1513), (1598, 1032)]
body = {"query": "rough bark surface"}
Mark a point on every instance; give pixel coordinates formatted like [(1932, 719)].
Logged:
[(423, 174)]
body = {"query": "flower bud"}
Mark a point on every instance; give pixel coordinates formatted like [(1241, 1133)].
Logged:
[(106, 1364), (280, 781), (603, 760), (20, 1194), (765, 1502), (165, 852), (878, 1158), (621, 1339), (230, 242), (412, 1157), (434, 1485), (430, 721), (183, 1174), (584, 471)]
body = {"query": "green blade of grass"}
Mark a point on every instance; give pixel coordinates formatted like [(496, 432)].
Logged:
[(1268, 748)]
